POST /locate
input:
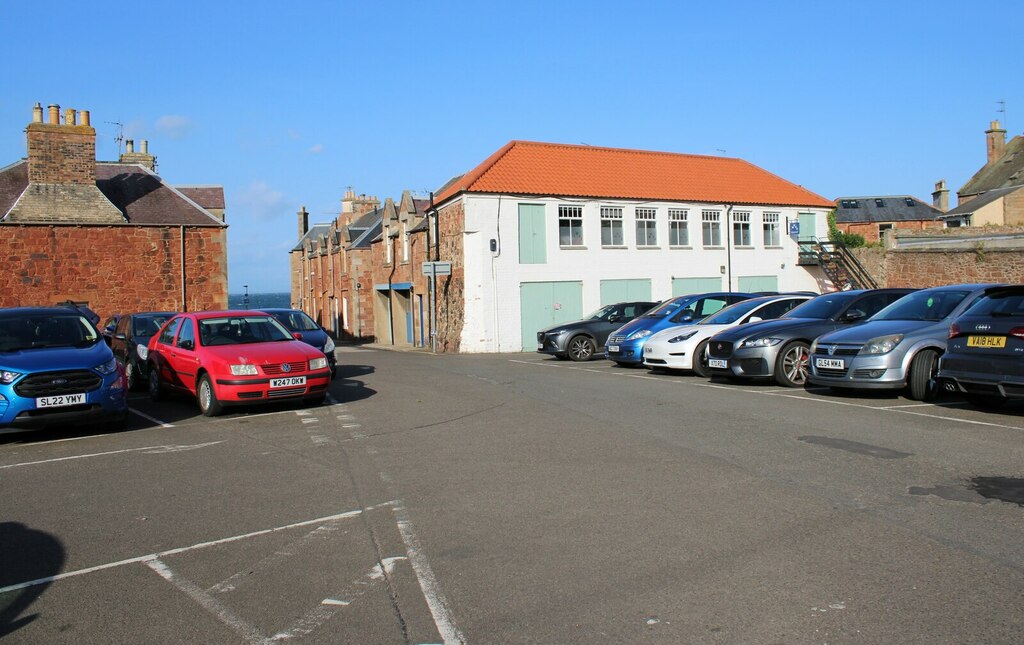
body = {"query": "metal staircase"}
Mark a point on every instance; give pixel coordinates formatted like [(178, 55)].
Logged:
[(838, 263)]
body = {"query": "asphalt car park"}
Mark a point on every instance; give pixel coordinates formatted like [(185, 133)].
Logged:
[(517, 497)]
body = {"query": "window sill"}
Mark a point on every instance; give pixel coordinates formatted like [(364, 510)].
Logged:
[(715, 248), (648, 248), (773, 247), (611, 246), (744, 248), (572, 248), (681, 248)]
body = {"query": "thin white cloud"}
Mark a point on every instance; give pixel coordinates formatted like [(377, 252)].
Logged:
[(316, 149), (175, 126), (258, 201)]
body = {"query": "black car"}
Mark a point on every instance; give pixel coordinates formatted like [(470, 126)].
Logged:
[(129, 339), (83, 309), (984, 357), (580, 339), (305, 329)]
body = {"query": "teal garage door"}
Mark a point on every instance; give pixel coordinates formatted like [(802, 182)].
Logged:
[(544, 304), (755, 283), (808, 227), (686, 286), (613, 291)]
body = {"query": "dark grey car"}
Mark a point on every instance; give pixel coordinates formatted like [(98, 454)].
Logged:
[(580, 339), (779, 348)]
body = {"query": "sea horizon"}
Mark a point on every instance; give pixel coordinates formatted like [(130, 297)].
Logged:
[(277, 299)]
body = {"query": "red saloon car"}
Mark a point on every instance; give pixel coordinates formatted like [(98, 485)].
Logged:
[(234, 358)]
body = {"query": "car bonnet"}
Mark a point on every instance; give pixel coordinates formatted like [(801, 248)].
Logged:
[(56, 358), (862, 333)]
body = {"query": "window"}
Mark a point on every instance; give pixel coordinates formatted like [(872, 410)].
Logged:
[(570, 225), (187, 337), (678, 233), (646, 227), (167, 337), (611, 226), (741, 229), (405, 242), (909, 202), (771, 229), (879, 203), (711, 227)]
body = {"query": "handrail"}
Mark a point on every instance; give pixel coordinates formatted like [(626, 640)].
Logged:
[(853, 268)]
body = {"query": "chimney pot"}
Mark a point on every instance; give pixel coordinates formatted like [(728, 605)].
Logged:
[(54, 114), (145, 146), (69, 116), (129, 145), (83, 117), (37, 113)]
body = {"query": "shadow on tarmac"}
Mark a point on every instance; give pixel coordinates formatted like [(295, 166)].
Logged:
[(25, 555)]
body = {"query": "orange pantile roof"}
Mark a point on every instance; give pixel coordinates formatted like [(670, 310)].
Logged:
[(533, 168)]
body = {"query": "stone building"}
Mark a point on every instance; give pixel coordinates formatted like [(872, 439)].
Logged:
[(872, 216), (994, 196), (112, 235)]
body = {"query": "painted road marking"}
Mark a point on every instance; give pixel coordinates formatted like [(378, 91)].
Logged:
[(794, 395), (162, 424), (185, 549), (152, 450)]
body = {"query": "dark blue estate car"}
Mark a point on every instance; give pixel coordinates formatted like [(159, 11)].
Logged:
[(55, 368), (625, 345), (305, 329)]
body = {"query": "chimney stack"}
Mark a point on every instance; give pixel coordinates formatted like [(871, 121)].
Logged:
[(940, 198), (303, 222), (995, 142), (61, 153), (143, 158)]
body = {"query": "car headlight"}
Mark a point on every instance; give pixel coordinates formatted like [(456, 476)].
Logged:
[(882, 344), (683, 336), (7, 377), (107, 368), (329, 345), (245, 369), (318, 363), (761, 342), (142, 351), (814, 346), (643, 333)]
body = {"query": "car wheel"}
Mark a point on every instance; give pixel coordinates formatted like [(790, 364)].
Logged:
[(922, 373), (156, 390), (208, 403), (699, 362), (131, 374), (581, 348), (985, 401), (791, 365)]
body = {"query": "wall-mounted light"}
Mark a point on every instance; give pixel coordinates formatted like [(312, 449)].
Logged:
[(782, 266), (722, 269)]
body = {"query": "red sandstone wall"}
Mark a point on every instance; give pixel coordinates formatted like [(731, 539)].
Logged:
[(116, 269), (870, 230), (934, 268), (451, 291)]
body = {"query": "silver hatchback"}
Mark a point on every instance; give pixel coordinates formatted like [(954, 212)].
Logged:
[(898, 347)]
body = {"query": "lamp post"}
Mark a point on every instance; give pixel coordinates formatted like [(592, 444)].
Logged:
[(245, 297)]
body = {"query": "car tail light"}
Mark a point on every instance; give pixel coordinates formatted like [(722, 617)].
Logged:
[(1017, 331), (954, 330)]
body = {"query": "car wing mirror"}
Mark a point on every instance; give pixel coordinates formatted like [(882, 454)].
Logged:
[(853, 315), (297, 336), (119, 336), (614, 318), (754, 319), (187, 344)]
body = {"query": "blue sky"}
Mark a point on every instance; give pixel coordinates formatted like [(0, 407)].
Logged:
[(287, 105)]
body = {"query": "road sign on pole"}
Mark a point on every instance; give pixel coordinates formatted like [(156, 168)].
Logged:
[(437, 268)]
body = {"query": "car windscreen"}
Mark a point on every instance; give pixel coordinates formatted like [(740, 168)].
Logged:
[(46, 330), (240, 330), (732, 313), (668, 308), (602, 313), (148, 324), (1010, 304), (295, 320), (923, 306), (822, 307)]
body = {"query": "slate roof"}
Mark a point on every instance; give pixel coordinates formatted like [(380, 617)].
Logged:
[(893, 208), (981, 200), (205, 196), (1008, 170), (313, 236), (534, 168), (140, 195)]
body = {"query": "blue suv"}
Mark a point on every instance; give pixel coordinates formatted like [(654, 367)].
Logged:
[(625, 346), (55, 368)]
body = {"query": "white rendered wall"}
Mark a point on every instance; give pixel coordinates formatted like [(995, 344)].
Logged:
[(492, 307)]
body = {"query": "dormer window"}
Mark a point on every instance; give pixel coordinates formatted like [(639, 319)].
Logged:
[(879, 203), (909, 202)]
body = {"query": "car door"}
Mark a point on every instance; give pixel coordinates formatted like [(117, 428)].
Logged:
[(160, 353), (182, 355), (119, 340), (868, 305), (775, 309)]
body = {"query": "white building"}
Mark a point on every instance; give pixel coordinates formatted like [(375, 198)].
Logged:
[(545, 233)]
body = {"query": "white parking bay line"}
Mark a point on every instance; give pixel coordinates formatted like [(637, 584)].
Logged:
[(149, 449), (162, 424)]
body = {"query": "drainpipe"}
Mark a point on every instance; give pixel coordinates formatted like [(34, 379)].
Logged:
[(184, 306), (391, 294), (728, 244)]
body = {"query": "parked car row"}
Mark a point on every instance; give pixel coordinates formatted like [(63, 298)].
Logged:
[(966, 338), (56, 368)]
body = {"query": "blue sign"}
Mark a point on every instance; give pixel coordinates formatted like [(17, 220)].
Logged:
[(794, 228)]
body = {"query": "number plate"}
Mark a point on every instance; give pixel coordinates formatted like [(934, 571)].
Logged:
[(613, 348), (986, 341), (829, 363), (720, 363), (540, 345), (289, 381), (60, 400)]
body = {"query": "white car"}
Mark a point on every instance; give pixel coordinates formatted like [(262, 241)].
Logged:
[(676, 347)]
